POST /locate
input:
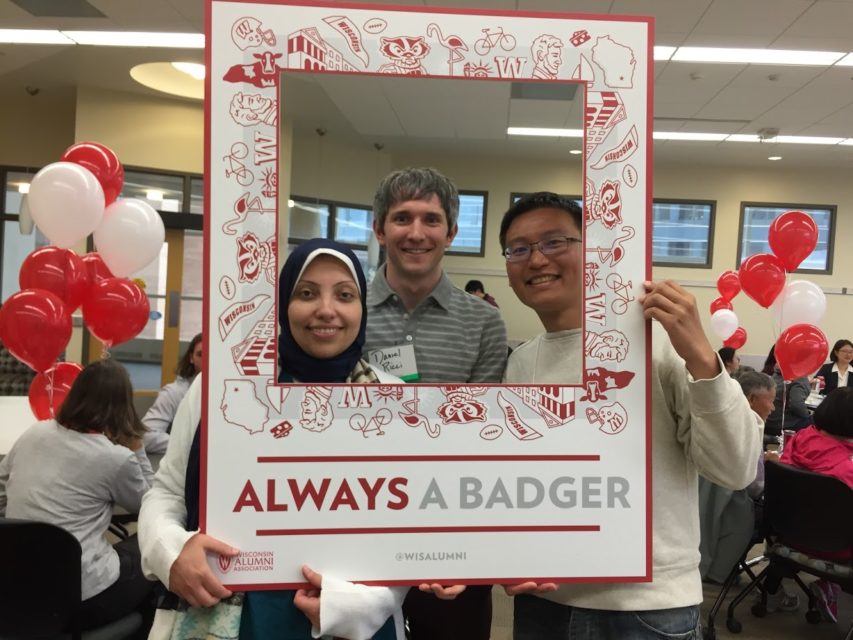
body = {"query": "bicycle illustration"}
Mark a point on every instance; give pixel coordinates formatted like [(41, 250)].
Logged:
[(493, 39), (623, 293), (239, 151)]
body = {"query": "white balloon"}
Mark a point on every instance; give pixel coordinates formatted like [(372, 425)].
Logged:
[(724, 323), (25, 218), (130, 236), (801, 302), (66, 202)]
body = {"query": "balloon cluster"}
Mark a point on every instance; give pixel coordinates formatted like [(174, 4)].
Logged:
[(68, 200), (797, 306)]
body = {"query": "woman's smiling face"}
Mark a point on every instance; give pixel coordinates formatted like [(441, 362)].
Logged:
[(324, 312)]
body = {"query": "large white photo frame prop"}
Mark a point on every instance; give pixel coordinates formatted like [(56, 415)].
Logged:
[(412, 483)]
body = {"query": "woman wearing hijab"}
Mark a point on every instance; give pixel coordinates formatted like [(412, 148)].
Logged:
[(322, 330)]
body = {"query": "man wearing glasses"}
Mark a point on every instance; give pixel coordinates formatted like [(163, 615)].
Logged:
[(544, 262), (701, 422)]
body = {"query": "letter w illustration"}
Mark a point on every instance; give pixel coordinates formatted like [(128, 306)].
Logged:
[(509, 66), (355, 397), (595, 309)]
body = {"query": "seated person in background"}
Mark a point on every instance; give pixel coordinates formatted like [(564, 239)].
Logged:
[(71, 471), (731, 361), (836, 372), (826, 447), (159, 417), (726, 517), (730, 358), (700, 423), (321, 287), (792, 395), (475, 288)]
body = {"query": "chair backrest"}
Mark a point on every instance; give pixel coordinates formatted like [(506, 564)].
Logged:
[(40, 572), (808, 510)]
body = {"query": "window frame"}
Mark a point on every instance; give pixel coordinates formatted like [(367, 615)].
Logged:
[(331, 229), (830, 242), (709, 256), (482, 250)]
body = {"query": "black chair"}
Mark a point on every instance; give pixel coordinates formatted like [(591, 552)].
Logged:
[(742, 566), (40, 571), (803, 511)]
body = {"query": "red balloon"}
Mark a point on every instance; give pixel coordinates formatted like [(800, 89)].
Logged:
[(792, 237), (115, 310), (102, 162), (35, 326), (720, 303), (800, 351), (737, 339), (48, 389), (728, 284), (60, 271), (762, 276)]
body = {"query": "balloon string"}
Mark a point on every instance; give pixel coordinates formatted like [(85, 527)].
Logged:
[(49, 374), (105, 353)]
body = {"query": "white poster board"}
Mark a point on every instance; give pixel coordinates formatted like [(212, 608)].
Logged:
[(403, 484)]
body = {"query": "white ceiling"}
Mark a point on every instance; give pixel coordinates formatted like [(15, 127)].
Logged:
[(691, 97)]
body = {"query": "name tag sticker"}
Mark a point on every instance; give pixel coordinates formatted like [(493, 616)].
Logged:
[(398, 361)]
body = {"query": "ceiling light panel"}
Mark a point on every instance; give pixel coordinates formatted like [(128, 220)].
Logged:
[(138, 39), (33, 36), (539, 131), (684, 135), (756, 56)]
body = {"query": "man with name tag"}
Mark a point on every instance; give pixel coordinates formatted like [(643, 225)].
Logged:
[(422, 328), (701, 423)]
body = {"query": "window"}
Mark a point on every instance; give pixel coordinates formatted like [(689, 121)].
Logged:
[(755, 219), (349, 224), (682, 232), (470, 239)]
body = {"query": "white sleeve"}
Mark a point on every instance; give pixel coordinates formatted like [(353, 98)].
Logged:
[(161, 414), (162, 519), (356, 611)]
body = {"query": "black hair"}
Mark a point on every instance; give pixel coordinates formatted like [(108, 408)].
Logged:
[(474, 285), (727, 354), (839, 344), (835, 413), (540, 200)]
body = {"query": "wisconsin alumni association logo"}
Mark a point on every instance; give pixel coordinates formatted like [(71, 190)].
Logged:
[(247, 561)]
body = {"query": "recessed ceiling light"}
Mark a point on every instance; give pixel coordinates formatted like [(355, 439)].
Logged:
[(541, 131), (163, 76), (192, 69), (23, 187), (575, 152), (756, 56), (154, 194), (774, 157)]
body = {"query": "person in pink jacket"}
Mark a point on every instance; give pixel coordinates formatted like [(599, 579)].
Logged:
[(826, 447)]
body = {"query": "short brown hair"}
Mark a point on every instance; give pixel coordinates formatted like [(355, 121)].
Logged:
[(101, 400)]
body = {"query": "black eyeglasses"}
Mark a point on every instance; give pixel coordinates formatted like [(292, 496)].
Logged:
[(549, 247)]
